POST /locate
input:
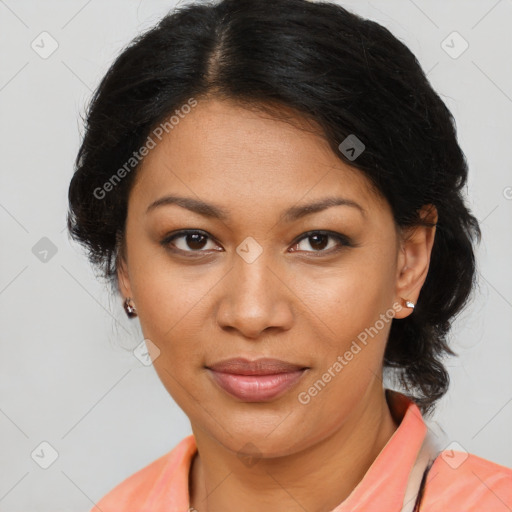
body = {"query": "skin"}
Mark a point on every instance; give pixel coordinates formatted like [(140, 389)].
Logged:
[(298, 301)]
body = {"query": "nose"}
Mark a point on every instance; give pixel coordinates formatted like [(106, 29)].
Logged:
[(255, 298)]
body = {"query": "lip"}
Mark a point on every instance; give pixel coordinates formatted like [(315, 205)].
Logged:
[(256, 381)]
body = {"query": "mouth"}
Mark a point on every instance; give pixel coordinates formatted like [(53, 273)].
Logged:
[(256, 381)]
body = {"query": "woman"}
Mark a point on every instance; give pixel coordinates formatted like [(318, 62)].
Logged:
[(275, 190)]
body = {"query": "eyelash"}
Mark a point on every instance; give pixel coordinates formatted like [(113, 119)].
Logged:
[(342, 240)]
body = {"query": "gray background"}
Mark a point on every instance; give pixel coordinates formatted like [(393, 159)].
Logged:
[(68, 375)]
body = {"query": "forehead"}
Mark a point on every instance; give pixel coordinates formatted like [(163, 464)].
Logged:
[(227, 152)]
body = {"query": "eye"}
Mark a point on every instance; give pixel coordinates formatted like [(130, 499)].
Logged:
[(196, 241), (319, 242), (188, 241)]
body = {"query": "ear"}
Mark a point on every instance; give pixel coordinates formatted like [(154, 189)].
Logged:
[(414, 259), (123, 278)]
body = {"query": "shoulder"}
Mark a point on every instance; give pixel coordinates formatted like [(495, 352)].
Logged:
[(135, 491), (461, 481)]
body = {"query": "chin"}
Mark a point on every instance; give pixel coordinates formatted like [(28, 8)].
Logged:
[(265, 439)]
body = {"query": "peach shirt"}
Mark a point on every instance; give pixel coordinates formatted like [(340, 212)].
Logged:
[(456, 482)]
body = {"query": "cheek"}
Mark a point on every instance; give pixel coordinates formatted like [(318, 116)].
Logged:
[(166, 291), (346, 306), (168, 306), (172, 307), (351, 296)]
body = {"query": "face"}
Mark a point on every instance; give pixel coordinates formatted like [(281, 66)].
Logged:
[(266, 279)]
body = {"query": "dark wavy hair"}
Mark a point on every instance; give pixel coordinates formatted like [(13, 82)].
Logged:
[(348, 75)]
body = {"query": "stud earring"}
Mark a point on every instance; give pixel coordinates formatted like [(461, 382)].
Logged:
[(129, 307), (408, 303)]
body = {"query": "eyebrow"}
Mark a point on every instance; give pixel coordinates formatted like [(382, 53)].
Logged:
[(216, 212)]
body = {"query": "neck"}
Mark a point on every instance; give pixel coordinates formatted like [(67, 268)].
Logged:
[(316, 479)]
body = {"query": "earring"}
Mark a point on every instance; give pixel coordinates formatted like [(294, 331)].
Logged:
[(129, 308), (408, 303)]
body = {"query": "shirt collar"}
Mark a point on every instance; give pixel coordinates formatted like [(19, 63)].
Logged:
[(384, 483)]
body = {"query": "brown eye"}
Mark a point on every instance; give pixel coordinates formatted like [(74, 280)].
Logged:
[(195, 241), (319, 241), (188, 241)]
